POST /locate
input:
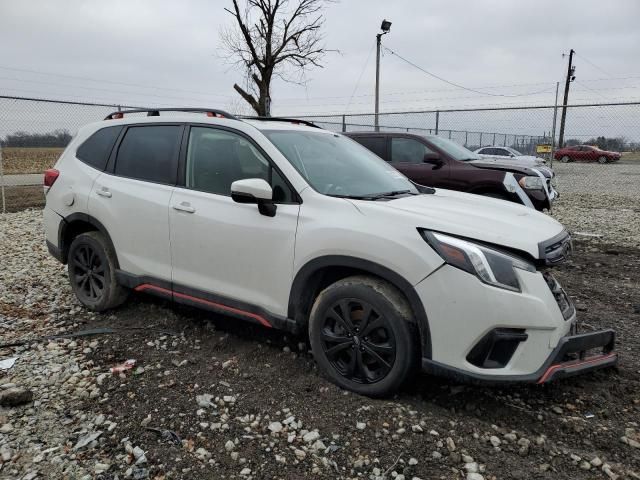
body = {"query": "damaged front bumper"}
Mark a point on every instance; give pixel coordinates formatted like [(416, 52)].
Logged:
[(574, 355)]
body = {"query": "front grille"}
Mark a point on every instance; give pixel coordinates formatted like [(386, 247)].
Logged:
[(562, 299), (556, 250)]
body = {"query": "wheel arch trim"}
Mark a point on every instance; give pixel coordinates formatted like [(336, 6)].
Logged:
[(84, 218), (304, 279)]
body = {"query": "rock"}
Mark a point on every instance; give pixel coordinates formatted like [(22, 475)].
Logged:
[(300, 454), (13, 397), (596, 462), (146, 421), (557, 410), (318, 446), (361, 425), (413, 461), (99, 420), (275, 427), (229, 446), (471, 467), (512, 437), (630, 441), (451, 446), (202, 453), (606, 468), (584, 465), (474, 476), (101, 468), (6, 428), (310, 437), (86, 440), (436, 455), (495, 441), (204, 400), (245, 471), (467, 459)]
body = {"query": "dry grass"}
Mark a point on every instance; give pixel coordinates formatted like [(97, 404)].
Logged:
[(20, 198), (631, 156), (28, 160)]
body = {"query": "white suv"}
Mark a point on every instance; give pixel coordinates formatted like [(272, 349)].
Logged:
[(282, 223)]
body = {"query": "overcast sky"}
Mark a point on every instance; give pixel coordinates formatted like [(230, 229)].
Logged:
[(159, 52)]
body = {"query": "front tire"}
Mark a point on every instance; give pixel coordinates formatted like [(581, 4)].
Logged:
[(565, 159), (602, 159), (362, 335), (92, 272)]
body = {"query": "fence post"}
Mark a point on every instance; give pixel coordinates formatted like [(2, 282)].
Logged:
[(494, 139), (553, 131), (437, 120), (480, 139), (344, 123), (466, 138), (4, 207)]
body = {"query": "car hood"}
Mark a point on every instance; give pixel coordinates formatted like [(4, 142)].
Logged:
[(523, 161), (472, 216), (513, 166)]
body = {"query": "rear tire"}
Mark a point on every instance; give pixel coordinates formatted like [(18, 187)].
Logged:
[(603, 159), (565, 159), (362, 335), (92, 273)]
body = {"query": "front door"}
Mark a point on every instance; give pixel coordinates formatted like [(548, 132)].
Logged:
[(407, 155), (226, 252)]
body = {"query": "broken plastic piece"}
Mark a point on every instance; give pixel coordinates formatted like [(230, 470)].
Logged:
[(128, 365), (168, 435), (7, 363)]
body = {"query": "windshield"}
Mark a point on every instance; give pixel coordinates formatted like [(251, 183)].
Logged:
[(514, 151), (452, 149), (338, 166)]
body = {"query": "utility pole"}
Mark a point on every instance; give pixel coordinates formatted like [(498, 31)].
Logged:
[(385, 27), (570, 77)]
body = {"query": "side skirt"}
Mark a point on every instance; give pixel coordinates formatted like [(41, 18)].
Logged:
[(206, 301)]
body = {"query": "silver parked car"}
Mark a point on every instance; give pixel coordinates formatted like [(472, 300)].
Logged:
[(511, 156)]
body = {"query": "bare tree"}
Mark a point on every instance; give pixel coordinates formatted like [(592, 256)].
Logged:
[(273, 37)]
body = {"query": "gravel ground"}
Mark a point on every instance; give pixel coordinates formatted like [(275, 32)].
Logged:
[(213, 398)]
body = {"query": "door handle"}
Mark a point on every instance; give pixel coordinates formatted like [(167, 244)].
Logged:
[(184, 207), (104, 192)]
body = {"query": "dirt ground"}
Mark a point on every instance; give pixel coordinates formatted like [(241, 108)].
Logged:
[(583, 417)]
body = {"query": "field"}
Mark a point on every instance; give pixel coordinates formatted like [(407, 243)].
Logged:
[(28, 160)]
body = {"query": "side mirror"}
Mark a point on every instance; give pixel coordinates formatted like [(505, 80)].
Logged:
[(433, 159), (254, 190)]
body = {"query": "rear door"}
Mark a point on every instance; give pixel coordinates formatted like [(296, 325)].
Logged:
[(407, 155), (131, 199)]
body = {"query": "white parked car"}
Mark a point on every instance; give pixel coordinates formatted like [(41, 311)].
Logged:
[(293, 227), (510, 155)]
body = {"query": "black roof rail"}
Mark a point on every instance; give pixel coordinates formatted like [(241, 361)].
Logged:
[(282, 119), (155, 112)]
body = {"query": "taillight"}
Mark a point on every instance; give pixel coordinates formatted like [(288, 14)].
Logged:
[(50, 177)]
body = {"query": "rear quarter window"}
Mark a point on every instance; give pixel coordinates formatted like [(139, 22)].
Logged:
[(96, 149)]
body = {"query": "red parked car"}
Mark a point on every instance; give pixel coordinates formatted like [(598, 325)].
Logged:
[(586, 153)]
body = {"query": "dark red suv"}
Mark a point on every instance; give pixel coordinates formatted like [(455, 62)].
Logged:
[(437, 162), (586, 153)]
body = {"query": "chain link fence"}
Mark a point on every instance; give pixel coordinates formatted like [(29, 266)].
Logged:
[(595, 199)]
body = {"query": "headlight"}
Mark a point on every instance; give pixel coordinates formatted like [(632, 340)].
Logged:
[(532, 183), (489, 265)]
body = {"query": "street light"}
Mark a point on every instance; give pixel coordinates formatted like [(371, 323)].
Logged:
[(385, 27)]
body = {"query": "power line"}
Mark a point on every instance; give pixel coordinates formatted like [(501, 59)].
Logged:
[(110, 81), (360, 76), (594, 65), (458, 85)]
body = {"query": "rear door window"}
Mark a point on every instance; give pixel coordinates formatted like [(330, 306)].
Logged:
[(408, 150), (96, 149), (150, 153)]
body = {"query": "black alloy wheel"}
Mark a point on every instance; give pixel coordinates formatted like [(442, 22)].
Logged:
[(92, 266), (358, 341), (363, 335), (88, 273)]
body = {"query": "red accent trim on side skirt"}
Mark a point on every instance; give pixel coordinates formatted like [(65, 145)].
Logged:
[(255, 316), (569, 365)]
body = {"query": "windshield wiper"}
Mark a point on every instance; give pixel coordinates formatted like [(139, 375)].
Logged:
[(390, 194)]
